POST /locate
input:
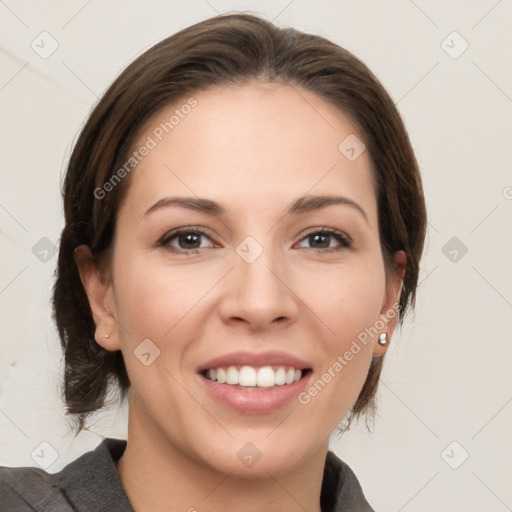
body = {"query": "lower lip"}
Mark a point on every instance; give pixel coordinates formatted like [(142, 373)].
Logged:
[(255, 401)]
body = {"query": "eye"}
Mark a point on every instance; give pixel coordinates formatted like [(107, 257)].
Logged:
[(191, 240), (186, 240), (321, 239)]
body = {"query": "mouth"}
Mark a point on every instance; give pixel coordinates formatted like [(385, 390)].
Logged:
[(255, 383), (254, 378)]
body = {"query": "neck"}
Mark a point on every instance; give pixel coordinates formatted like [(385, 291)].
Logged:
[(158, 476)]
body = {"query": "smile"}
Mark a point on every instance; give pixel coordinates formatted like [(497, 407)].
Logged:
[(254, 383), (254, 378)]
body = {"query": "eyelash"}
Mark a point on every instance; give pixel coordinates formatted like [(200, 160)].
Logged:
[(345, 242)]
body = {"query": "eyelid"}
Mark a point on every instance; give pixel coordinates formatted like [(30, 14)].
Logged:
[(326, 229)]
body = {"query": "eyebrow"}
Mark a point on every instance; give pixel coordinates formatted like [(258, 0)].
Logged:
[(303, 204)]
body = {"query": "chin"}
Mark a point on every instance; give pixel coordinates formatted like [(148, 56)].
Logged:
[(242, 457)]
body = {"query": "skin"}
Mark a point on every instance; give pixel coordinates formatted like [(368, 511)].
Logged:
[(254, 149)]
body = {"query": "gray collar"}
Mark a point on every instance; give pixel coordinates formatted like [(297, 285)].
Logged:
[(91, 483)]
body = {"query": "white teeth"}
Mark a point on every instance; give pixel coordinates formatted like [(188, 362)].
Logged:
[(221, 375), (281, 376), (266, 377), (232, 375), (247, 376)]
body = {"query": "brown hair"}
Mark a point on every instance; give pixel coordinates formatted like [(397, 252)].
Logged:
[(225, 50)]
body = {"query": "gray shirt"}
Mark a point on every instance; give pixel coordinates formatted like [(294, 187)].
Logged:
[(91, 483)]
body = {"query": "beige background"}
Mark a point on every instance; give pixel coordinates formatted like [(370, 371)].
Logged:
[(447, 377)]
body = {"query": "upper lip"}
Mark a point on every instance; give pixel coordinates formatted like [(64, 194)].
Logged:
[(255, 359)]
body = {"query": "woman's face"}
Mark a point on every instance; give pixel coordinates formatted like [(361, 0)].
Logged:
[(263, 275)]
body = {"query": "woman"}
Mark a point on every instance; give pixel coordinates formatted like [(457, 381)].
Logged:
[(244, 221)]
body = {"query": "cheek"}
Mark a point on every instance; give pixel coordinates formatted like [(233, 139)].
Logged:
[(151, 299), (155, 303), (348, 304), (163, 304), (348, 299)]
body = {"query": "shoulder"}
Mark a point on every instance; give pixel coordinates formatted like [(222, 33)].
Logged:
[(25, 489), (89, 483), (341, 490)]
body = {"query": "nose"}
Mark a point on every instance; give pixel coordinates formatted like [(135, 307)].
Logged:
[(259, 295)]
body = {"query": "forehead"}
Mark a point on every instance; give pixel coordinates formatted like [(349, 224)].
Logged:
[(267, 142)]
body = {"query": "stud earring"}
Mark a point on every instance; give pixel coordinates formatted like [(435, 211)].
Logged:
[(383, 339), (106, 335)]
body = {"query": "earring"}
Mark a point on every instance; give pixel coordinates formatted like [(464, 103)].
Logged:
[(383, 339), (106, 335)]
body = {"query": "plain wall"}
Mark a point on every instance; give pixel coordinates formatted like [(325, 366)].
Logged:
[(447, 375)]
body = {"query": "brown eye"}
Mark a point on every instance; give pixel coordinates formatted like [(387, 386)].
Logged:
[(322, 239), (185, 240)]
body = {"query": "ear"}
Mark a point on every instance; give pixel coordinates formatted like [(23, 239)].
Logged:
[(100, 296), (389, 312)]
